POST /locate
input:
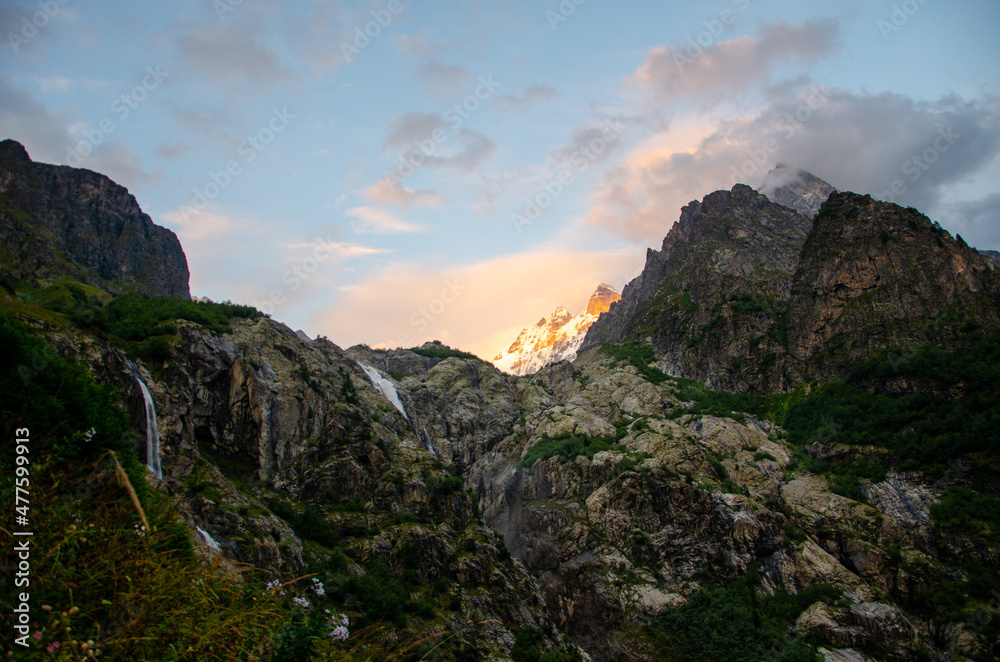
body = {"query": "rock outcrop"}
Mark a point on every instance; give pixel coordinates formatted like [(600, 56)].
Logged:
[(60, 222)]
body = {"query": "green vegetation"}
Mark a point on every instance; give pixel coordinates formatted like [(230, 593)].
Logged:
[(956, 414), (118, 573), (735, 624), (143, 326), (528, 648), (566, 447), (443, 353), (59, 402), (639, 356), (716, 403), (964, 510), (706, 402)]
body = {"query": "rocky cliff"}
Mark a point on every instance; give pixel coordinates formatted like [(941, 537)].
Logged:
[(554, 338), (750, 295), (710, 300), (59, 222)]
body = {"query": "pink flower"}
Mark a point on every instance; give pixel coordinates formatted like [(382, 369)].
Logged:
[(51, 647), (37, 635)]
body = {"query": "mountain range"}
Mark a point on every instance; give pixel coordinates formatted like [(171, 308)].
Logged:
[(781, 443), (555, 338)]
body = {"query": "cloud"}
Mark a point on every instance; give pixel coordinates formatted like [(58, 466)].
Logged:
[(233, 54), (373, 220), (43, 133), (418, 44), (174, 151), (17, 21), (532, 94), (410, 127), (855, 141), (479, 307), (48, 139), (730, 67), (391, 191), (304, 249), (978, 221), (442, 81)]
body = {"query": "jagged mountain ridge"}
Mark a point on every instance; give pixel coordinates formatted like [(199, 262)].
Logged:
[(555, 338), (61, 222), (729, 299)]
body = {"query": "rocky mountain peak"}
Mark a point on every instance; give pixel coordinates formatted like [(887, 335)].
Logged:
[(796, 189), (555, 338), (62, 222), (602, 298)]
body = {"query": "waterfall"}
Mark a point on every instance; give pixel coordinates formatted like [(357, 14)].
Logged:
[(152, 432), (428, 444), (209, 540), (386, 387)]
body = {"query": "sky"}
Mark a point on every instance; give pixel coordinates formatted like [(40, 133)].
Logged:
[(393, 172)]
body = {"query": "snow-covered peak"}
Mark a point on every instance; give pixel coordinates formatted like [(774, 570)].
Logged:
[(554, 338)]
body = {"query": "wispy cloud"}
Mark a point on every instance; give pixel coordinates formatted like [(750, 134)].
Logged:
[(392, 191), (374, 220), (734, 66)]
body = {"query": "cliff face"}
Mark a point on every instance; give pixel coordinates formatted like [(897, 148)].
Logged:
[(873, 276), (60, 222), (709, 301), (748, 295)]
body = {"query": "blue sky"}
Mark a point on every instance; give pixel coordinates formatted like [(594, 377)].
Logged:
[(554, 141)]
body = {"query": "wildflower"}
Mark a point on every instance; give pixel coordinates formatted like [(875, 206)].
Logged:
[(89, 434), (37, 635), (140, 530), (274, 586), (51, 647), (301, 602), (318, 587), (340, 632)]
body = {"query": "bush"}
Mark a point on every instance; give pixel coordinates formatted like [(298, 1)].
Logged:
[(132, 318), (964, 510), (566, 447), (451, 485), (444, 353), (734, 624)]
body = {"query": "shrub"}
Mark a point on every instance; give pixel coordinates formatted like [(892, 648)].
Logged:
[(734, 624), (566, 447)]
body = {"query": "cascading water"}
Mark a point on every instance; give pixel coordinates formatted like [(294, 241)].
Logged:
[(152, 432), (209, 540), (386, 387)]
